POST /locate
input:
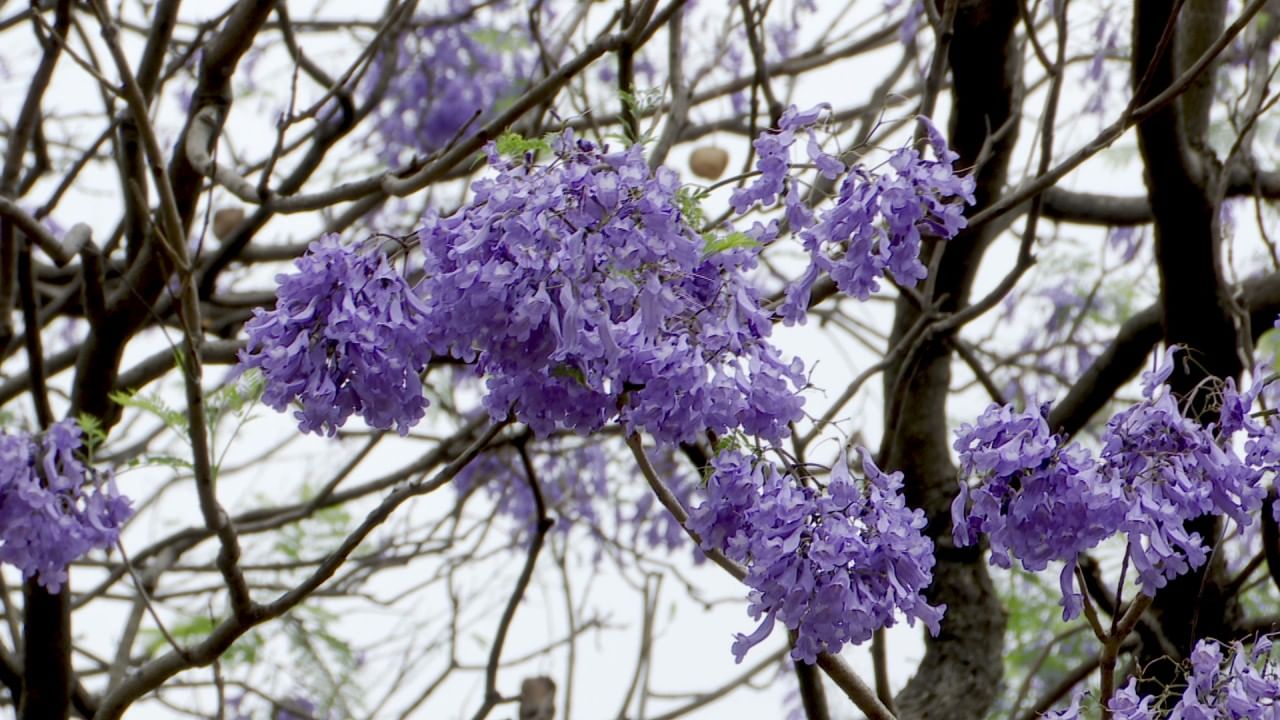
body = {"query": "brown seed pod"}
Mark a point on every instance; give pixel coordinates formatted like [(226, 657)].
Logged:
[(537, 698), (225, 221), (708, 162)]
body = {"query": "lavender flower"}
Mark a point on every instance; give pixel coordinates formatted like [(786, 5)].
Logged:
[(345, 337), (877, 221), (581, 294), (1171, 469), (1041, 500), (773, 148), (446, 76), (833, 566), (1126, 704), (1243, 684), (54, 509)]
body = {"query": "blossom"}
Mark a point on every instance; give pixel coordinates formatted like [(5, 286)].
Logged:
[(581, 294), (877, 222), (1172, 469), (343, 338), (773, 158), (1223, 681), (53, 508), (1040, 499), (833, 565), (445, 76)]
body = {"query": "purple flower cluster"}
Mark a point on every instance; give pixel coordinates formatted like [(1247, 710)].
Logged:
[(345, 337), (773, 163), (446, 75), (54, 509), (876, 222), (580, 291), (1243, 685), (833, 565), (1173, 469), (1262, 443), (1040, 499)]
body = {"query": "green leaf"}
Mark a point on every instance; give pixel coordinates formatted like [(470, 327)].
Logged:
[(175, 420), (516, 145), (568, 371), (732, 241), (161, 461), (93, 432), (690, 202), (198, 627), (495, 39), (731, 441), (194, 627)]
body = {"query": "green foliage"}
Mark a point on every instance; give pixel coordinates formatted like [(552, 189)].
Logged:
[(232, 401), (735, 440), (235, 399), (731, 241), (325, 663), (151, 404), (326, 526), (1034, 618), (1268, 346), (94, 435), (496, 39), (566, 370), (195, 628), (160, 460), (516, 145), (641, 103), (690, 201)]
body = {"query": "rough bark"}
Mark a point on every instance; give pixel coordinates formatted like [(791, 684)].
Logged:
[(960, 673), (1195, 305)]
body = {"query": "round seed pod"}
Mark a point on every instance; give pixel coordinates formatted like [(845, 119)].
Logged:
[(708, 162), (225, 221)]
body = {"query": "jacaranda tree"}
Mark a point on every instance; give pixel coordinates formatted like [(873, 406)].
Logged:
[(314, 311)]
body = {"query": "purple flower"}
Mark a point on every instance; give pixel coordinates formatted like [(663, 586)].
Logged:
[(53, 508), (447, 76), (1171, 469), (1039, 499), (1127, 705), (581, 294), (876, 222), (1244, 684), (833, 565), (345, 337)]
